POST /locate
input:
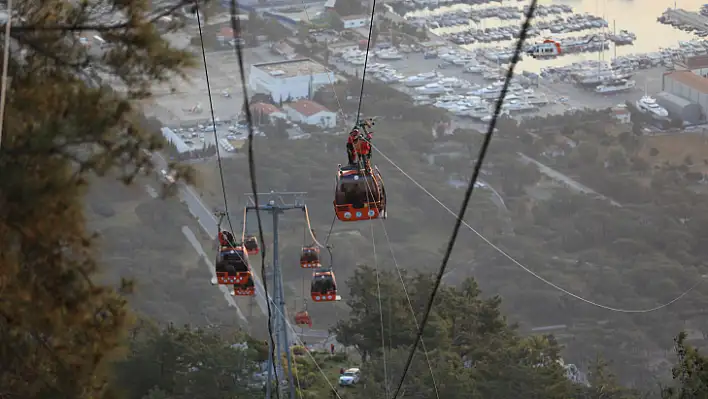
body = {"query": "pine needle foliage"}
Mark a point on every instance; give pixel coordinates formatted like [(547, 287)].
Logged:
[(64, 123)]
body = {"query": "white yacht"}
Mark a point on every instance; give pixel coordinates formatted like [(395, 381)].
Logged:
[(389, 54), (421, 79), (473, 68), (648, 105), (616, 86), (518, 106), (431, 88), (537, 99), (490, 93), (479, 111), (451, 82)]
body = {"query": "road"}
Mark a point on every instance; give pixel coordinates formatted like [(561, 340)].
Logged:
[(560, 177), (208, 222)]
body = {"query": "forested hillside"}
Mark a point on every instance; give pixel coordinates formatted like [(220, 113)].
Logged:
[(85, 315)]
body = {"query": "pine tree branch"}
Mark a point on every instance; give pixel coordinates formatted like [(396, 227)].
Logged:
[(98, 27)]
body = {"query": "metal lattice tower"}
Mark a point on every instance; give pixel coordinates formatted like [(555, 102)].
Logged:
[(275, 204)]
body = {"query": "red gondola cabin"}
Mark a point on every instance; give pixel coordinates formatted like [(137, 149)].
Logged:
[(232, 266), (359, 195), (251, 244), (324, 286), (303, 319), (245, 289), (310, 257)]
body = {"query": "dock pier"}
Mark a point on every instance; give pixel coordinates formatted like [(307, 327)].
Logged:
[(684, 17)]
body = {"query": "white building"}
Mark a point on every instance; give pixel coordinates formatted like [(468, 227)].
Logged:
[(292, 79), (311, 113), (355, 21)]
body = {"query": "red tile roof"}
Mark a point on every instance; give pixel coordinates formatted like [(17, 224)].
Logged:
[(264, 108), (307, 107), (690, 79)]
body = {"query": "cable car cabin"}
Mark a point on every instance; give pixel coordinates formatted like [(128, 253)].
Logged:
[(310, 257), (324, 286), (303, 319), (358, 195), (245, 289), (251, 244), (232, 266)]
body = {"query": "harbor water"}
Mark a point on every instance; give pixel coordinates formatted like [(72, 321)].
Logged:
[(636, 16)]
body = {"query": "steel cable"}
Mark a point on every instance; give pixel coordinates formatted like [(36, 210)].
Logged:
[(470, 188)]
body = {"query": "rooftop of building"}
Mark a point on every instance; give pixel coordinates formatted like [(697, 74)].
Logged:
[(354, 17), (690, 79), (695, 62), (307, 107), (265, 108), (291, 68)]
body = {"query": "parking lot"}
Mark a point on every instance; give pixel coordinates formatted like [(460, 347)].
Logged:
[(186, 102)]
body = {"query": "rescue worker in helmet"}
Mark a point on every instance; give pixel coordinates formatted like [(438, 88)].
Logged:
[(226, 239), (351, 154), (362, 151)]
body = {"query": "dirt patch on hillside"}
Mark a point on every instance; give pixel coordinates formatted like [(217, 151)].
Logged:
[(675, 149)]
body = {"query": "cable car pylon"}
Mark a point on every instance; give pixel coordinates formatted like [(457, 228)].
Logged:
[(276, 203)]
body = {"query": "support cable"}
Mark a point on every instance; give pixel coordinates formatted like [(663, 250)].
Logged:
[(366, 61), (301, 343), (213, 121), (314, 239), (236, 29), (5, 67), (410, 306), (470, 188), (526, 268), (370, 198)]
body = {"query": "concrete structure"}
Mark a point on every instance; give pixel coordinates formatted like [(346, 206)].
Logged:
[(689, 86), (291, 79), (311, 113), (679, 107), (355, 21), (697, 64), (175, 140), (266, 113), (684, 17)]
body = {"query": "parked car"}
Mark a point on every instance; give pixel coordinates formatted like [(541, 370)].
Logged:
[(350, 377)]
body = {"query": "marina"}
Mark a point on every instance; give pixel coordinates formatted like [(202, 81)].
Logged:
[(462, 67), (625, 28)]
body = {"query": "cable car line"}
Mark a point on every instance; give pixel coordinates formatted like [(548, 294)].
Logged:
[(213, 120), (470, 188), (526, 268), (378, 290), (410, 306), (366, 60), (331, 226), (301, 343), (236, 28)]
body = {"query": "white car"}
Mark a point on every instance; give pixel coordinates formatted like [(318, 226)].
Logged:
[(350, 377)]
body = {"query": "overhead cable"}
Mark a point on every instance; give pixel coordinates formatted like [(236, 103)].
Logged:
[(5, 67), (526, 268), (236, 29), (470, 188), (366, 61)]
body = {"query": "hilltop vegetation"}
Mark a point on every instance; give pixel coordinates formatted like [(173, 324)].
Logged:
[(636, 256), (66, 333)]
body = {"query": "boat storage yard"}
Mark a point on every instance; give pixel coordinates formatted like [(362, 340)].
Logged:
[(462, 68)]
